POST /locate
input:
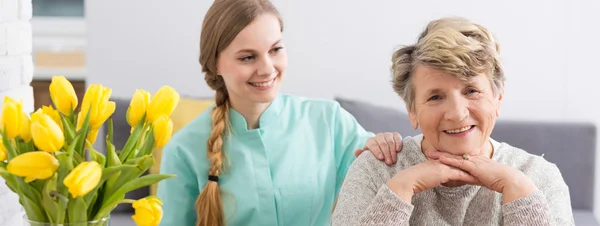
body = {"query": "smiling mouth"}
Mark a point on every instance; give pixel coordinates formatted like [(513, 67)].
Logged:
[(455, 131), (263, 84)]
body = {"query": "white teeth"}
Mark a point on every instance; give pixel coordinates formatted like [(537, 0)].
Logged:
[(263, 84), (459, 130)]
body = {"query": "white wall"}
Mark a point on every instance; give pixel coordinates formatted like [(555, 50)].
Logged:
[(16, 72), (336, 47)]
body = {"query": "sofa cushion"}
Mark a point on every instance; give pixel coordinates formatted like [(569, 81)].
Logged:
[(584, 217), (571, 146), (378, 119)]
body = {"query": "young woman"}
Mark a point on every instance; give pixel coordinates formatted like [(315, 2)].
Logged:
[(259, 157)]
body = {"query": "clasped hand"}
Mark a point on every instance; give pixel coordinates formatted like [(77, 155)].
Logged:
[(442, 168)]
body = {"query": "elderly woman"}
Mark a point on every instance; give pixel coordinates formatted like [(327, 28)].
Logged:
[(453, 173)]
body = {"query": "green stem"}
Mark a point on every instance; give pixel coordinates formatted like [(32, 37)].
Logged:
[(123, 201), (142, 137)]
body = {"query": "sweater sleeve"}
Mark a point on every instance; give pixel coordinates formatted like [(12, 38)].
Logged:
[(364, 200), (550, 205)]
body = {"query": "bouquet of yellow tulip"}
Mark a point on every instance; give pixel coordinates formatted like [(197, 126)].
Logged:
[(48, 159)]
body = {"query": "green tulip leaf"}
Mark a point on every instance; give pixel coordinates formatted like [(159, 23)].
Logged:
[(139, 167), (10, 179), (68, 128), (33, 210), (112, 159), (132, 140), (110, 129), (10, 148), (65, 166), (79, 148), (77, 211), (97, 156), (148, 144), (114, 199), (49, 204)]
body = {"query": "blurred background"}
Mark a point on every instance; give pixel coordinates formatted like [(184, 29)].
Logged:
[(337, 49)]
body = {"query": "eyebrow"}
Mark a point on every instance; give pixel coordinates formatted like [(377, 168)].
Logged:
[(253, 51), (438, 90)]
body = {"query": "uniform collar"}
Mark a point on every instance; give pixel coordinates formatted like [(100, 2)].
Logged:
[(267, 118)]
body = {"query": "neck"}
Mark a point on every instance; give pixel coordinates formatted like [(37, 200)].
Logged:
[(251, 111)]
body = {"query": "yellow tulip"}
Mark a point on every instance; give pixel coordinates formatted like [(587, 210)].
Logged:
[(137, 107), (62, 94), (36, 165), (25, 127), (96, 102), (163, 130), (12, 117), (163, 103), (3, 152), (46, 134), (84, 178), (53, 113), (148, 211)]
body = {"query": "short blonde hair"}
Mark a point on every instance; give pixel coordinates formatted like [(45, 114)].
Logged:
[(454, 45)]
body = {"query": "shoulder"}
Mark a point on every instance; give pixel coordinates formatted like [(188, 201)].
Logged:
[(537, 168), (409, 156)]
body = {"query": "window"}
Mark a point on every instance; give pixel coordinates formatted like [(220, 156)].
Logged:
[(58, 8)]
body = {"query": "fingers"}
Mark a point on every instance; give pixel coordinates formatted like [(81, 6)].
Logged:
[(392, 147), (467, 165), (359, 151), (456, 174), (384, 147), (435, 155), (398, 141), (372, 146)]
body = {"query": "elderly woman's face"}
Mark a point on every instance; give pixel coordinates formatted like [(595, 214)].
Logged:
[(455, 116)]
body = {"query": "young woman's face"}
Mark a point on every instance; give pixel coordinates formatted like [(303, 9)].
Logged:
[(253, 65)]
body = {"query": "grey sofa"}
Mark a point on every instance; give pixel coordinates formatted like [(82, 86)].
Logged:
[(571, 146)]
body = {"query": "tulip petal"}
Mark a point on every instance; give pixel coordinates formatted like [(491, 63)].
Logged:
[(33, 165)]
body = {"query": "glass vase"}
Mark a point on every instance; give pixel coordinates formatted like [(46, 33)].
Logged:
[(102, 222)]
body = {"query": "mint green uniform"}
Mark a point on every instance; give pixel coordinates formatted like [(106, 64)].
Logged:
[(287, 172)]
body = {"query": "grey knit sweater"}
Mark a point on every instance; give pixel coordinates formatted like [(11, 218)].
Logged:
[(365, 199)]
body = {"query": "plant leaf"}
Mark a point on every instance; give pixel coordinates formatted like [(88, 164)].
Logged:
[(143, 164), (114, 199), (69, 129), (98, 157), (111, 160), (10, 179), (148, 144), (10, 148), (110, 129), (132, 140), (77, 211), (50, 206), (33, 211), (79, 148), (65, 166)]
